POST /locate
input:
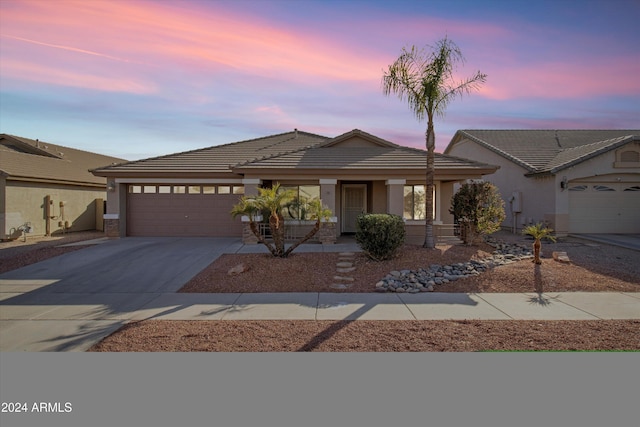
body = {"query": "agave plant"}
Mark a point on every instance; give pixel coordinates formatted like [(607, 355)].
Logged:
[(538, 232)]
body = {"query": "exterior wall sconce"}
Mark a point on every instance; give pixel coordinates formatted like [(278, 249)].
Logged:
[(563, 183), (111, 186)]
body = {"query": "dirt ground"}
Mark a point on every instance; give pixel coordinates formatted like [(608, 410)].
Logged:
[(593, 268)]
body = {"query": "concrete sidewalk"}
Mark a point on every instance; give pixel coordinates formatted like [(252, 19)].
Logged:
[(75, 322), (392, 306)]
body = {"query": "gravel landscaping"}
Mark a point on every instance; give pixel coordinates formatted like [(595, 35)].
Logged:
[(593, 268)]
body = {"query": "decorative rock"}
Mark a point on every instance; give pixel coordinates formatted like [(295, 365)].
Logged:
[(238, 269), (424, 280), (561, 257)]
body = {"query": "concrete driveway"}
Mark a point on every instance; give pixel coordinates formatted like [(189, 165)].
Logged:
[(69, 302)]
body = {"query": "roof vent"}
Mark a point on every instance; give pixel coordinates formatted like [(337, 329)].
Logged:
[(295, 133)]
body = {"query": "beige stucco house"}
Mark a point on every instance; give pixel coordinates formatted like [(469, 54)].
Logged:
[(192, 193), (48, 189), (577, 181)]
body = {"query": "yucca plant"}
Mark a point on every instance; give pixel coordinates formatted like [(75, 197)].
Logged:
[(538, 232)]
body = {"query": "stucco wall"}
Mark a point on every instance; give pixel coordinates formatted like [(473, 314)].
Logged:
[(538, 194), (25, 202)]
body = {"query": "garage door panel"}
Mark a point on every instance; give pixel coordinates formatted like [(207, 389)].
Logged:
[(182, 215), (604, 208)]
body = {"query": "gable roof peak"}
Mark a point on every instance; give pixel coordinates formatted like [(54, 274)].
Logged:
[(545, 150), (362, 134)]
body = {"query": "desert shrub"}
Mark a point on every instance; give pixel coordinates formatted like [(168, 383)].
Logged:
[(380, 235), (479, 210)]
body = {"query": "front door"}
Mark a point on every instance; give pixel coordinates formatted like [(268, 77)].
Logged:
[(354, 202)]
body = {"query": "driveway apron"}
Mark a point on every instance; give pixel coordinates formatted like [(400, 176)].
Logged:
[(68, 303)]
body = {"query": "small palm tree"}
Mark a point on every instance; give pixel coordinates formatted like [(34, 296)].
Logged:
[(538, 232), (275, 201)]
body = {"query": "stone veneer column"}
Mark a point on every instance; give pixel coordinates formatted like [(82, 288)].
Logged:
[(114, 225), (395, 196), (328, 232)]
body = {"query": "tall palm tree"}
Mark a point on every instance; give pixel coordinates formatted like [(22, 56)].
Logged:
[(425, 80)]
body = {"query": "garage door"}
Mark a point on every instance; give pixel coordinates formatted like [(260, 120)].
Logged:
[(604, 207), (179, 210)]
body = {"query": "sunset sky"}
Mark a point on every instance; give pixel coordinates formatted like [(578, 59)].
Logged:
[(137, 79)]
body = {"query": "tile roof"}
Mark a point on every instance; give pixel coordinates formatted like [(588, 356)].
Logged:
[(219, 158), (547, 151), (33, 160), (358, 158), (299, 150)]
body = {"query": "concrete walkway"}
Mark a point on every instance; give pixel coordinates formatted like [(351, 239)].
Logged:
[(73, 301)]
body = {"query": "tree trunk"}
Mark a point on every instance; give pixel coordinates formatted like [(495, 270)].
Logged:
[(309, 235), (276, 224), (536, 251), (254, 229), (429, 240)]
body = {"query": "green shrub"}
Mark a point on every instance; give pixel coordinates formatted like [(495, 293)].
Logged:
[(380, 235), (479, 210)]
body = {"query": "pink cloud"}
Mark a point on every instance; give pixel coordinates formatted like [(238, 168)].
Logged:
[(26, 71), (156, 34)]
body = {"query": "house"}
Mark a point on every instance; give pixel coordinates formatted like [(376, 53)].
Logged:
[(47, 188), (192, 193), (577, 181)]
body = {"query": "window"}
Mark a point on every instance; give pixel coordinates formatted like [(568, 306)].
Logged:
[(179, 189), (149, 189), (238, 189), (224, 189), (194, 189), (164, 189), (414, 202), (304, 194), (634, 188), (135, 189), (208, 189), (602, 188), (578, 188)]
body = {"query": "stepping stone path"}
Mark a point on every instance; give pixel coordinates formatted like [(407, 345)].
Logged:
[(344, 266)]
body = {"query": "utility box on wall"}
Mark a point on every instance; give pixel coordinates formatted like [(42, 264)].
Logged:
[(516, 202)]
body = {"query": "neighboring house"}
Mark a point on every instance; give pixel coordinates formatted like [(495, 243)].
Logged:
[(577, 181), (48, 188), (192, 193)]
